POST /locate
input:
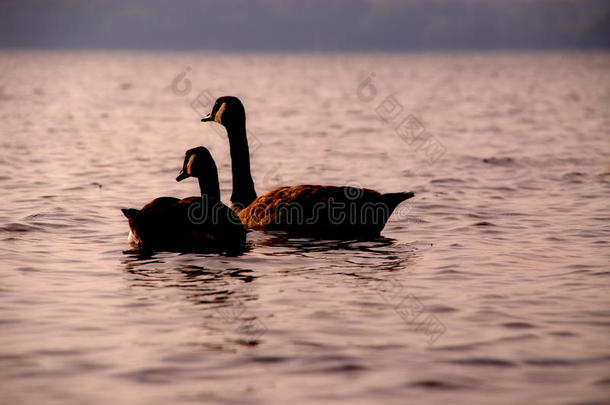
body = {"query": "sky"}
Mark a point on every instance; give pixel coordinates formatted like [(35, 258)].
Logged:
[(305, 25)]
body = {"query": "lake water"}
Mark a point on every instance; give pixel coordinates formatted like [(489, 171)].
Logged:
[(490, 286)]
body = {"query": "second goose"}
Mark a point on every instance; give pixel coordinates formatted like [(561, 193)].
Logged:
[(190, 224)]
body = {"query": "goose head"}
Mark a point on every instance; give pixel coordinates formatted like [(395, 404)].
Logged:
[(198, 162), (228, 111)]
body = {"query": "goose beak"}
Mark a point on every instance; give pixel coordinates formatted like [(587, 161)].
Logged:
[(181, 176), (207, 118)]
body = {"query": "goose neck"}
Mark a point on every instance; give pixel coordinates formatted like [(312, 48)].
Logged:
[(243, 185), (209, 186)]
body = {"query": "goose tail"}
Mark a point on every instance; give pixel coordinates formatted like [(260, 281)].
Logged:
[(131, 213), (393, 199)]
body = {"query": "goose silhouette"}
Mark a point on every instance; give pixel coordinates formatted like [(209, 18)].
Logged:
[(305, 210), (188, 224)]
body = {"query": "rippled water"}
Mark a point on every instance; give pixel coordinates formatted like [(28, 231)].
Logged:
[(490, 286)]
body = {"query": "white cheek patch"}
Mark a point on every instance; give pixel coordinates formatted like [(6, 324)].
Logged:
[(218, 115), (189, 165)]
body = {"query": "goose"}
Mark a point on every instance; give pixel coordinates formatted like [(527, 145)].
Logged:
[(189, 224), (304, 210)]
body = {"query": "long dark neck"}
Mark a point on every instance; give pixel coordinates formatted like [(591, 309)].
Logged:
[(209, 186), (243, 186)]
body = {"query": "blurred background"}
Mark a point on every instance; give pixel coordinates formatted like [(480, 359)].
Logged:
[(306, 25)]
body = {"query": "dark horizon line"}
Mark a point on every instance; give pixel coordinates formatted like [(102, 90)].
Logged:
[(586, 48)]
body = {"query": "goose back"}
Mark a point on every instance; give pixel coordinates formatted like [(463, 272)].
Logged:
[(322, 211)]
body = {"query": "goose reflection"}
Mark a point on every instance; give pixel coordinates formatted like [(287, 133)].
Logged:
[(224, 296), (353, 257), (225, 292)]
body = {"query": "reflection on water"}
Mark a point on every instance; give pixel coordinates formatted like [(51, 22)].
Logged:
[(224, 293), (221, 301), (490, 286)]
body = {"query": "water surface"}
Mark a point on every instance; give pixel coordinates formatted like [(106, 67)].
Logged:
[(490, 286)]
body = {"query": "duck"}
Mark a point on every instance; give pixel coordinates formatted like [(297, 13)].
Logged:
[(188, 224), (319, 211)]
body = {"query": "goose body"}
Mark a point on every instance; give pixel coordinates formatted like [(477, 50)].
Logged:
[(322, 211), (188, 224), (304, 210)]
